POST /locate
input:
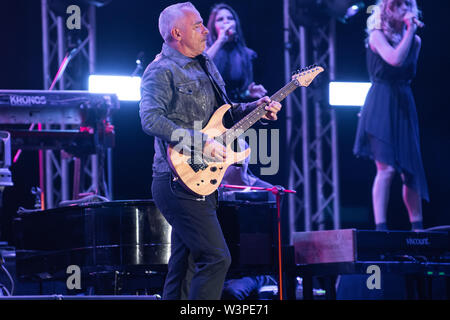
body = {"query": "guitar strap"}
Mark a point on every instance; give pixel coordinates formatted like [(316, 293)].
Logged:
[(220, 94)]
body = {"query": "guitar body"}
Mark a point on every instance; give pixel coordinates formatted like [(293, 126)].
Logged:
[(205, 179)]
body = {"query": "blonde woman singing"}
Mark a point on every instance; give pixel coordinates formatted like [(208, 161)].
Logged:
[(388, 131)]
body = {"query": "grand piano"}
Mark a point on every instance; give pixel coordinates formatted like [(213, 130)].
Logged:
[(131, 238)]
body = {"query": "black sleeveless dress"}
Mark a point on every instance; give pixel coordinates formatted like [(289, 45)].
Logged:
[(388, 128)]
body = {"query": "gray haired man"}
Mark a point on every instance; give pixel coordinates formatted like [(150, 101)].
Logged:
[(177, 92)]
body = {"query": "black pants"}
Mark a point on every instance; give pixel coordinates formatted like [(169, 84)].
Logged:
[(200, 257)]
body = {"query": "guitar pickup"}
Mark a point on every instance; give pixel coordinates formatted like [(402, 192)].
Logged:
[(197, 163)]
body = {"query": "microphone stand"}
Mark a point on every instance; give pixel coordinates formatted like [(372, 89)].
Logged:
[(278, 191)]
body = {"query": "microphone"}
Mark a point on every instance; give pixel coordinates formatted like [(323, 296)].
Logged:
[(419, 23), (230, 32)]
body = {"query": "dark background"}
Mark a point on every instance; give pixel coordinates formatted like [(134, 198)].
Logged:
[(125, 28)]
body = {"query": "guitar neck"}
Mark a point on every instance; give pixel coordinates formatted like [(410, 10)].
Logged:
[(249, 120)]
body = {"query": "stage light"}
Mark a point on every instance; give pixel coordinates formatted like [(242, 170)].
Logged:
[(127, 88), (311, 13), (343, 9), (348, 93), (353, 10)]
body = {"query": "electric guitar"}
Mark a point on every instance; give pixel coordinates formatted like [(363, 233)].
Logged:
[(201, 174)]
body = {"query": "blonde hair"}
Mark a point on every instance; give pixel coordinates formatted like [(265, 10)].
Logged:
[(382, 18)]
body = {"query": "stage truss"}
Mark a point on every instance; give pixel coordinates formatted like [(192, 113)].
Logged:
[(311, 127), (57, 41)]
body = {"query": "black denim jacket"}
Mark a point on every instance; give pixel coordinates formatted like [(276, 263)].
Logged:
[(176, 94)]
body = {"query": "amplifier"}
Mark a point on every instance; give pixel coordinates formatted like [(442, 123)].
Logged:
[(351, 245), (250, 233)]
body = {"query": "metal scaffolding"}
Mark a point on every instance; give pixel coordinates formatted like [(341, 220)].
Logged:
[(57, 41), (311, 127)]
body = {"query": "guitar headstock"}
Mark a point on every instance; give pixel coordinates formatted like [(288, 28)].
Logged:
[(304, 77)]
